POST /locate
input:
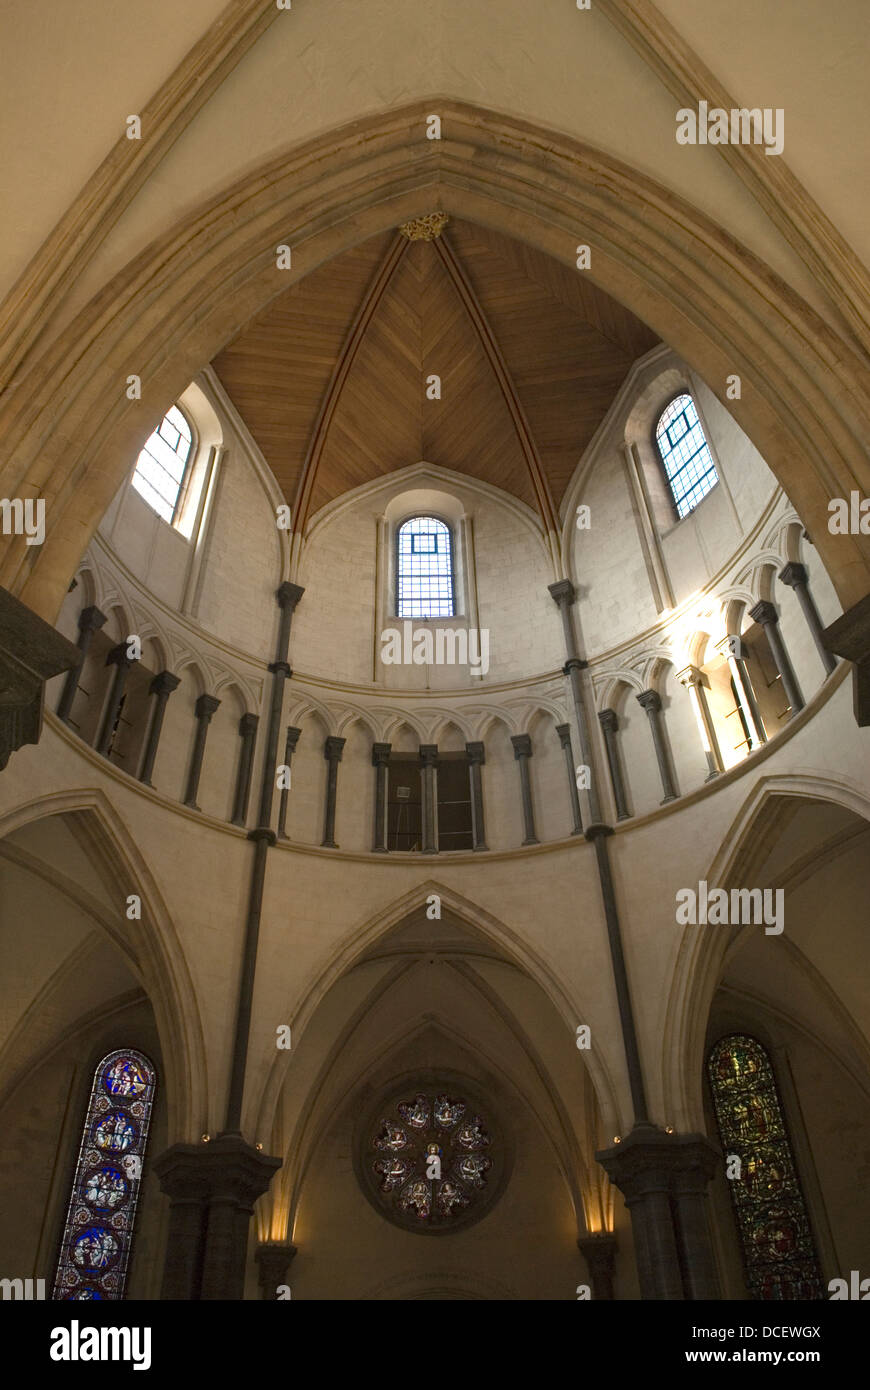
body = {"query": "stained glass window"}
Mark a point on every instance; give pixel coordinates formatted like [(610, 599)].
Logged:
[(102, 1209), (160, 466), (431, 1160), (778, 1250), (685, 454), (424, 569)]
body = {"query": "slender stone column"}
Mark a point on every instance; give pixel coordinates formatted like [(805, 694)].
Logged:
[(90, 621), (695, 683), (563, 596), (796, 577), (734, 652), (476, 755), (205, 708), (380, 762), (663, 1178), (428, 764), (161, 688), (274, 1259), (651, 701), (766, 614), (609, 722), (288, 595), (284, 799), (122, 662), (248, 733), (332, 753), (564, 732), (849, 637), (522, 752), (599, 1251)]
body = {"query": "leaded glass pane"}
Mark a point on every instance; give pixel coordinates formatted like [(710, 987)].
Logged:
[(160, 466), (778, 1250), (430, 1158), (424, 569), (102, 1209), (685, 454)]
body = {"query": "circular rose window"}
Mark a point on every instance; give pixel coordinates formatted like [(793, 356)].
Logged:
[(432, 1161)]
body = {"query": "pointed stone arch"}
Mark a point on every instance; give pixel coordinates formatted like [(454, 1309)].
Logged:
[(804, 404), (151, 945)]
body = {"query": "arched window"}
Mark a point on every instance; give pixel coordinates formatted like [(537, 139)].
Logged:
[(99, 1224), (161, 466), (772, 1221), (685, 454), (424, 569)]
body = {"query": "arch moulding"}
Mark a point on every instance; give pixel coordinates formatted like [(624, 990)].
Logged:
[(67, 428)]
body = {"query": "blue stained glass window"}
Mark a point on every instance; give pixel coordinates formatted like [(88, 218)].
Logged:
[(160, 466), (685, 453), (102, 1209), (779, 1254), (424, 569)]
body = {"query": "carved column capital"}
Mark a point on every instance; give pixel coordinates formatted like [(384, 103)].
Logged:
[(164, 683), (428, 754), (206, 706), (522, 745), (794, 574), (288, 595), (248, 724), (332, 749), (764, 613), (91, 619), (476, 753), (381, 754), (649, 700), (562, 592), (564, 734), (608, 720)]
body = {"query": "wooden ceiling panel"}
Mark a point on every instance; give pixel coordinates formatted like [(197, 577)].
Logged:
[(331, 377)]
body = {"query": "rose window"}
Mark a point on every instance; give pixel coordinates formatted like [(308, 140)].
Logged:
[(431, 1158)]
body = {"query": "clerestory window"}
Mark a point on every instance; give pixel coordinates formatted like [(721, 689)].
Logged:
[(424, 569), (685, 455), (161, 466)]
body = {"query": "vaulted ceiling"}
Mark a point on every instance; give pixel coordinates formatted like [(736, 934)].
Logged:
[(331, 378)]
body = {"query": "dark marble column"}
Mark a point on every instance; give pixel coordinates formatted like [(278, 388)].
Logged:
[(380, 762), (564, 732), (476, 755), (663, 1178), (262, 837), (849, 637), (766, 614), (332, 753), (161, 688), (248, 734), (212, 1188), (284, 799), (90, 621), (651, 701), (428, 764), (522, 752), (609, 722), (122, 662), (205, 708), (274, 1258), (563, 595), (796, 577), (694, 682), (734, 651), (599, 1251)]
